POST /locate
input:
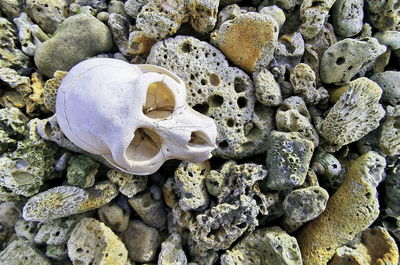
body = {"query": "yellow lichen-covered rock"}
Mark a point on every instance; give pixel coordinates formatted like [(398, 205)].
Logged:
[(352, 208), (354, 115), (64, 201), (92, 242), (50, 90), (249, 40), (375, 247)]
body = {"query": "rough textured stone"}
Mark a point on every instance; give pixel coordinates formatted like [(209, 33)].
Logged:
[(81, 171), (249, 40), (389, 82), (11, 8), (288, 159), (57, 252), (275, 12), (78, 37), (354, 115), (348, 17), (383, 15), (21, 252), (376, 246), (348, 57), (392, 188), (48, 14), (151, 210), (13, 127), (389, 141), (9, 214), (223, 93), (141, 241), (114, 217), (303, 80), (352, 208), (26, 230), (171, 252), (133, 7), (50, 90), (190, 180), (313, 14), (267, 89), (390, 38), (293, 116), (265, 246), (64, 201), (91, 242), (128, 184)]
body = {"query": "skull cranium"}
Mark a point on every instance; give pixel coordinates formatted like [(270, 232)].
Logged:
[(135, 116)]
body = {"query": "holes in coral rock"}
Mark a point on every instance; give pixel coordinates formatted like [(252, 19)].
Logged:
[(239, 85), (340, 61), (203, 82), (215, 100), (160, 101), (224, 144), (202, 108), (186, 48), (48, 131), (145, 145), (242, 102), (214, 80), (230, 122)]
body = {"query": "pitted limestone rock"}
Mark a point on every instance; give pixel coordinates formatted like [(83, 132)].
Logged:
[(9, 214), (190, 180), (133, 7), (390, 135), (265, 246), (57, 252), (64, 201), (21, 252), (383, 15), (50, 90), (392, 188), (239, 203), (267, 89), (229, 12), (150, 209), (293, 116), (249, 40), (11, 8), (172, 252), (141, 241), (81, 171), (48, 14), (354, 115), (26, 230), (219, 91), (288, 159), (348, 17), (303, 80), (389, 82), (348, 57), (114, 216), (390, 38), (128, 184), (91, 242), (12, 128), (10, 55), (289, 50), (352, 208), (275, 12), (313, 14)]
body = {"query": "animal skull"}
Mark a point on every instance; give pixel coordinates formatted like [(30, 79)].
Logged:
[(135, 116)]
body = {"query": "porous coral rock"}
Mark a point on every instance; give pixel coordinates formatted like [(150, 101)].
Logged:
[(392, 188), (265, 246), (190, 180), (383, 14), (390, 38), (9, 214), (375, 247), (141, 241), (81, 171), (151, 210), (239, 203), (389, 141), (21, 252), (352, 208), (355, 114), (119, 27), (114, 217), (274, 12), (348, 17), (12, 128), (224, 93), (91, 242), (50, 90), (133, 7), (313, 14), (10, 56), (389, 82), (171, 252), (288, 159), (57, 252), (64, 201), (26, 230), (78, 37), (348, 57), (11, 8), (249, 40), (303, 79), (289, 50), (267, 89), (128, 184), (48, 14)]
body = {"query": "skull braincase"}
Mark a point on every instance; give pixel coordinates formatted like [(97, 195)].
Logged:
[(135, 116)]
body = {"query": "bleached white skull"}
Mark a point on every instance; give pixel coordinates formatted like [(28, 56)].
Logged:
[(135, 116)]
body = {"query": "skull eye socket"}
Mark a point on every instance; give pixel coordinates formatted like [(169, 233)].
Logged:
[(145, 145), (160, 101)]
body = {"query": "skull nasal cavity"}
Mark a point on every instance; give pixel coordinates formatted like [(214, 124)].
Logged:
[(145, 145), (198, 138), (160, 101)]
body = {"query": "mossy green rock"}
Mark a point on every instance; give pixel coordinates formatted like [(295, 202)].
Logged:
[(78, 37), (81, 171)]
